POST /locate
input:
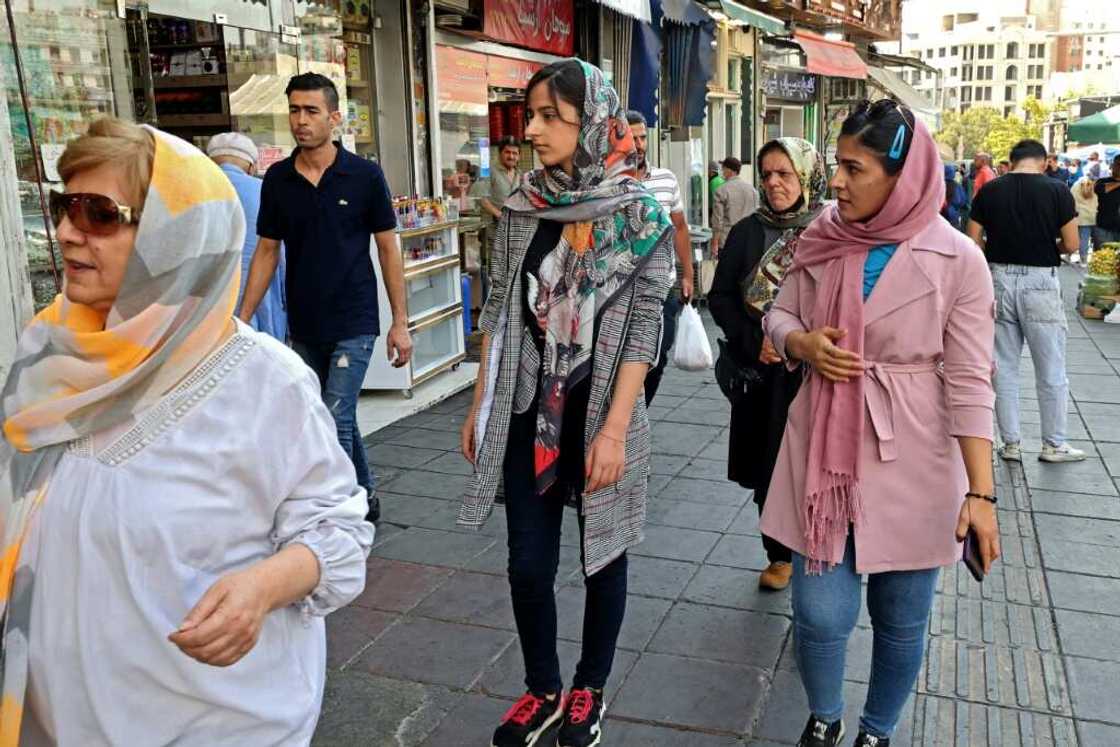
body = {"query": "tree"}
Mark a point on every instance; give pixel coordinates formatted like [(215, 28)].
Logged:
[(983, 129)]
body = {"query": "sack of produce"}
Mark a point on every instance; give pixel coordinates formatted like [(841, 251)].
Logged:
[(1104, 260), (1095, 285)]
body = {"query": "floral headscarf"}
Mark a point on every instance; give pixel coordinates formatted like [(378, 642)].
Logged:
[(612, 226), (761, 287)]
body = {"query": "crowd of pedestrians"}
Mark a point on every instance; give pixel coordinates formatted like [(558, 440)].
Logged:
[(857, 311)]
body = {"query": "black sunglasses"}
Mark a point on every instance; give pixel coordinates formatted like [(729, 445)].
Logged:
[(91, 213)]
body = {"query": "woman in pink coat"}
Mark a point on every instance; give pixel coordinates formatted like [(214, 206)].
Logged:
[(893, 311)]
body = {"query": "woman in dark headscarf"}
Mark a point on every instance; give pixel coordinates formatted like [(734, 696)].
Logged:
[(758, 252)]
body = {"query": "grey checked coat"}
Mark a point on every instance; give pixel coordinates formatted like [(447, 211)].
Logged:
[(628, 330)]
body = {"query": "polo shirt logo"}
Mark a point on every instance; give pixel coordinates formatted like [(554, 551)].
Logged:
[(343, 202)]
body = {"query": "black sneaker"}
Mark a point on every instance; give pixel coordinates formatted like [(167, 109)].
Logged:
[(373, 515), (866, 740), (583, 716), (821, 733), (529, 718)]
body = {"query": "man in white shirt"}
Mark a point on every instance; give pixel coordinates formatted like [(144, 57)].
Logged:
[(662, 184)]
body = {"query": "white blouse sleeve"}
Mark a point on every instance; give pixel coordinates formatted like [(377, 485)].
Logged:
[(325, 511)]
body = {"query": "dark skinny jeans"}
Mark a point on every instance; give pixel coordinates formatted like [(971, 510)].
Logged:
[(534, 555)]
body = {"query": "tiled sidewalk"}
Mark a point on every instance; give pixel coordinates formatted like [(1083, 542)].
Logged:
[(428, 654)]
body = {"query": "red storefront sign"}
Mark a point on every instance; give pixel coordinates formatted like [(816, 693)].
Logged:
[(462, 81), (542, 25), (504, 72)]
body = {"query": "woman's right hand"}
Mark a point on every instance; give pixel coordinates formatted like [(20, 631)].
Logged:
[(768, 355), (466, 436), (819, 349)]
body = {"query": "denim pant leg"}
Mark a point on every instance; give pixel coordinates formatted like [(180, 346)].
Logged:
[(825, 610), (533, 525), (899, 603), (1043, 321), (671, 311), (1008, 349), (603, 611), (1085, 235), (348, 363)]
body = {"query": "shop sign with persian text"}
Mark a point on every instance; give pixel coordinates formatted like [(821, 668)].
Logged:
[(789, 85), (541, 25)]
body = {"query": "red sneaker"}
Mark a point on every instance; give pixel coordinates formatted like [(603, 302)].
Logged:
[(583, 716), (526, 721)]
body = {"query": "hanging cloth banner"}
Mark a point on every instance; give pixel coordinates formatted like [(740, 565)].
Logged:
[(645, 65), (540, 25)]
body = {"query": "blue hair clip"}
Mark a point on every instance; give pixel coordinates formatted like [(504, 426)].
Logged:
[(899, 141)]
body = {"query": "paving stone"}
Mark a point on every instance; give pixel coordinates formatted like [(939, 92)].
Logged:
[(1088, 634), (435, 652), (996, 675), (717, 633), (667, 464), (429, 484), (364, 710), (436, 421), (1095, 388), (398, 587), (1102, 427), (687, 692), (986, 622), (395, 455), (685, 440), (654, 577), (408, 510), (1086, 593), (629, 734), (1093, 688), (1098, 735), (474, 598), (693, 414), (423, 439), (676, 544), (707, 469), (740, 551), (1077, 504), (469, 723), (643, 617), (747, 520), (657, 483), (722, 493), (1089, 476), (351, 629), (435, 547), (674, 512), (1072, 557), (450, 463), (386, 530), (1076, 529), (941, 722), (734, 587), (506, 677), (787, 709)]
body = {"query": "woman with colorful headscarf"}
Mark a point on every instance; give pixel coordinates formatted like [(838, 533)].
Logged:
[(758, 252), (178, 514), (886, 463), (581, 267)]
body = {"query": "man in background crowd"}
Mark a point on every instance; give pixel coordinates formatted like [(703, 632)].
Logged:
[(324, 203), (1108, 205), (1055, 170), (503, 181), (982, 166), (236, 155), (1003, 167), (662, 184), (735, 199), (1030, 220)]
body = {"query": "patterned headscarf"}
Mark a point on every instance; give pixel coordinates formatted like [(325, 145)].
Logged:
[(761, 287), (612, 225), (79, 371)]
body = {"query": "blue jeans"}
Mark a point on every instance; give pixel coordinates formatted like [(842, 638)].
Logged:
[(534, 524), (825, 609), (671, 310), (1085, 235), (341, 368), (1029, 308)]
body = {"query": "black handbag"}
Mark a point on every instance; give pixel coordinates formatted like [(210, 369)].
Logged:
[(735, 381)]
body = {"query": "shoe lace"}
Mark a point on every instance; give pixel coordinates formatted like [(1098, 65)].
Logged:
[(524, 709), (580, 703), (820, 730)]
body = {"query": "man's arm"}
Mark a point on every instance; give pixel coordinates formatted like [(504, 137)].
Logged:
[(1104, 188), (683, 247), (1070, 240), (975, 232), (261, 270), (490, 207), (399, 342)]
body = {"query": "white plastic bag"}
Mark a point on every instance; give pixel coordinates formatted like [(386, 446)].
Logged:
[(1113, 316), (691, 351)]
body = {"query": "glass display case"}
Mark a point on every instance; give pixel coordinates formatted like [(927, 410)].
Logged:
[(434, 304)]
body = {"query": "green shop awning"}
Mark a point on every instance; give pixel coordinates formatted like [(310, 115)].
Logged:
[(761, 21), (1102, 127)]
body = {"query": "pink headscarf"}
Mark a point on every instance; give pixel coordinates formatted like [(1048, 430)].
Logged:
[(832, 494)]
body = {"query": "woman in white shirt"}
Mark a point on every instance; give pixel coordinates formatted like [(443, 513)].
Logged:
[(1086, 201), (178, 514)]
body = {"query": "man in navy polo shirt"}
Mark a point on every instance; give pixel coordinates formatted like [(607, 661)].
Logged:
[(324, 203)]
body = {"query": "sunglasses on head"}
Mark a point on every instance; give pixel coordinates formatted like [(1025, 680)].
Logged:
[(91, 213)]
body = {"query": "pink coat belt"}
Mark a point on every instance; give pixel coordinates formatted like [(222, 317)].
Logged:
[(879, 393)]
